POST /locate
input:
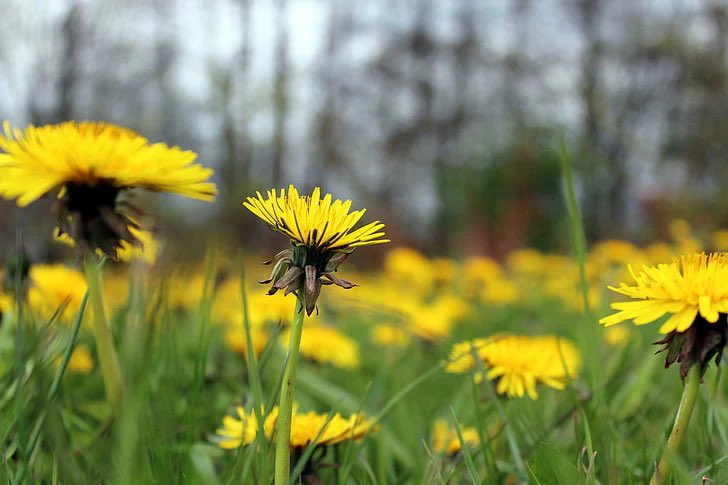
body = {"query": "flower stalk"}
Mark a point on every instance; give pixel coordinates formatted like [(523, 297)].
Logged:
[(684, 411), (285, 406), (108, 358)]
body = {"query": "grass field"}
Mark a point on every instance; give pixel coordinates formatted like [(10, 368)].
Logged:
[(178, 330), (384, 349)]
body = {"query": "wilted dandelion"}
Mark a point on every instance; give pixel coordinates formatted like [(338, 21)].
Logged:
[(322, 234), (517, 363)]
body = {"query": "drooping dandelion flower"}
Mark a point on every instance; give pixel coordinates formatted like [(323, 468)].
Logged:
[(322, 233), (445, 439), (693, 292), (91, 164), (517, 363)]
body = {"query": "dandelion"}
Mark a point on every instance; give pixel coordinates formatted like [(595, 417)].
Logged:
[(445, 439), (325, 429), (81, 361), (321, 430), (322, 234), (692, 292), (321, 231), (55, 288), (327, 345), (91, 164), (517, 363)]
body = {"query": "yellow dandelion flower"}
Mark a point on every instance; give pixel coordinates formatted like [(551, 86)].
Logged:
[(411, 269), (445, 439), (236, 340), (688, 286), (81, 361), (389, 336), (693, 291), (237, 430), (322, 233), (518, 362), (55, 286), (326, 345), (305, 428), (91, 163), (616, 336)]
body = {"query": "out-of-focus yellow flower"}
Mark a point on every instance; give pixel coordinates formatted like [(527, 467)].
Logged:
[(616, 336), (720, 240), (235, 338), (411, 269), (518, 362), (527, 261), (444, 271), (51, 287), (445, 439), (305, 427), (80, 362), (185, 290), (326, 345), (500, 292), (390, 336)]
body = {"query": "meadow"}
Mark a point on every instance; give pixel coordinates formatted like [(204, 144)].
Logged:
[(125, 365), (380, 348)]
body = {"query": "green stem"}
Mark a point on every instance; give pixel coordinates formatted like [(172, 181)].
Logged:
[(285, 406), (108, 359), (684, 411)]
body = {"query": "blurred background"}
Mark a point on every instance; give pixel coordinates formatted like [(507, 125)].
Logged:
[(443, 118)]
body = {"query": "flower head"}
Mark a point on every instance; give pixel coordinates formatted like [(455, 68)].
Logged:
[(321, 231), (518, 362), (324, 429), (55, 287), (693, 292), (445, 439), (90, 164)]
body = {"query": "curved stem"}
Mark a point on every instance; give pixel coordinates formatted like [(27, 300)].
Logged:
[(108, 359), (285, 406), (684, 411)]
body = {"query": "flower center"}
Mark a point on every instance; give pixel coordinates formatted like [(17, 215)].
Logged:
[(88, 199)]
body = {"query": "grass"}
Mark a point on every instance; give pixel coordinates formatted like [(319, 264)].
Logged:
[(182, 376)]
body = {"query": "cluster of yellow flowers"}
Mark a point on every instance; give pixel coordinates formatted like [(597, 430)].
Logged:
[(306, 428), (89, 167)]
